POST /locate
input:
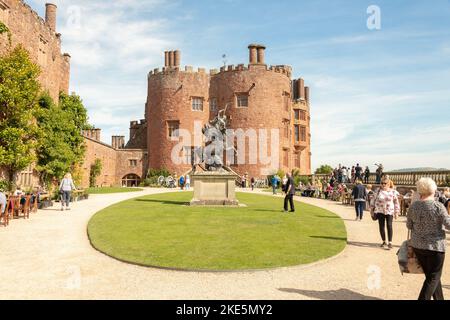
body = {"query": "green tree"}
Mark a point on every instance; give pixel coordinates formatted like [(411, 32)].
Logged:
[(61, 146), (324, 169), (19, 90), (96, 170)]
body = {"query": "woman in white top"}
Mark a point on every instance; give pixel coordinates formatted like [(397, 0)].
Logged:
[(188, 182), (65, 188)]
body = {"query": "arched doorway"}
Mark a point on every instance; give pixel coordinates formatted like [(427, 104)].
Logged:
[(131, 180)]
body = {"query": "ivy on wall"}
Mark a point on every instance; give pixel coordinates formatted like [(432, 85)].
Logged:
[(4, 29)]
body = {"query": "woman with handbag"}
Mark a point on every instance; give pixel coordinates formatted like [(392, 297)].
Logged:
[(385, 206), (426, 220), (65, 188)]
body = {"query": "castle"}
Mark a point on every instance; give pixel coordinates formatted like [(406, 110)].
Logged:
[(256, 96)]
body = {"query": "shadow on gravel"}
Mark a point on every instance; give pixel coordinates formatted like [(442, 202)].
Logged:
[(163, 201), (367, 244), (341, 294)]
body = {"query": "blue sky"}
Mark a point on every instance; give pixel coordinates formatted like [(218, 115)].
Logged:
[(376, 95)]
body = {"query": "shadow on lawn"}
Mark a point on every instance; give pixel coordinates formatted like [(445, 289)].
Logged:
[(172, 202), (329, 238), (341, 294)]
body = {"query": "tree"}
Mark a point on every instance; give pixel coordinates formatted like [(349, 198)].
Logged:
[(96, 170), (61, 145), (324, 169), (19, 90)]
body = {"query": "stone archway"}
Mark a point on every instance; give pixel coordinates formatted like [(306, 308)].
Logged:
[(131, 180)]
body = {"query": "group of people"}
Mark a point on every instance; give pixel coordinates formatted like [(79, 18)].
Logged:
[(427, 219), (343, 174)]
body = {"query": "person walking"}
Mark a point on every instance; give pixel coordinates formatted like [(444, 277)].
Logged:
[(2, 204), (359, 195), (188, 183), (426, 220), (274, 181), (385, 206), (182, 181), (284, 183), (252, 181), (366, 175), (358, 172), (290, 192), (65, 188)]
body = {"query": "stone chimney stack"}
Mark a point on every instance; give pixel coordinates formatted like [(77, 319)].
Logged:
[(301, 89), (118, 142), (256, 53), (307, 94), (177, 58), (50, 15), (171, 59), (166, 59)]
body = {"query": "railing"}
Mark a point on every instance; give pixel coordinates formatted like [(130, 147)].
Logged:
[(442, 178)]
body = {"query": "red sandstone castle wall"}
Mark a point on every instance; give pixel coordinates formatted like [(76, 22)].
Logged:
[(266, 109), (271, 98), (41, 41), (170, 96)]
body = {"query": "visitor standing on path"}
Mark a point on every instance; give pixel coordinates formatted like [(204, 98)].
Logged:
[(275, 181), (2, 203), (252, 181), (182, 181), (426, 220), (188, 182), (65, 188), (358, 172), (290, 192), (366, 175), (359, 195), (385, 206)]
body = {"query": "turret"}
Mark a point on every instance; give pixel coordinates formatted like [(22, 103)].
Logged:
[(50, 15)]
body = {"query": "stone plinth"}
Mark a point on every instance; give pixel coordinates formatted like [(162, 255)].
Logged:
[(214, 189)]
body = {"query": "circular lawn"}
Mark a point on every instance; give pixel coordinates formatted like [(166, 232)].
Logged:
[(162, 231)]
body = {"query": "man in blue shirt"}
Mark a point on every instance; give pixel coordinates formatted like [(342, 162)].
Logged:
[(274, 184)]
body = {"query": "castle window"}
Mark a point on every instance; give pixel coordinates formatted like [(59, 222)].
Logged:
[(42, 55), (4, 12), (242, 100), (213, 105), (286, 157), (286, 128), (197, 104), (297, 160), (173, 128), (297, 114), (302, 115), (297, 133), (133, 163), (286, 99), (303, 133)]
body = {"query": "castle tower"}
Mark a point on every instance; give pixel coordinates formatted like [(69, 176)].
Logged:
[(50, 15), (176, 101)]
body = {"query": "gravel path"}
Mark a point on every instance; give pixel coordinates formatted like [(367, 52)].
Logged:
[(49, 257)]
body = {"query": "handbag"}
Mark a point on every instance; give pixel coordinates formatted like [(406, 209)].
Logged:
[(407, 259), (373, 214)]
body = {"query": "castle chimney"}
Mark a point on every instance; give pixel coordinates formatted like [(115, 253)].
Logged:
[(166, 59), (50, 15), (171, 58), (301, 89), (253, 54), (118, 142), (97, 134), (307, 94), (177, 58), (261, 54)]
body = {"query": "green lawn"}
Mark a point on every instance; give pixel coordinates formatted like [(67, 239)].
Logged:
[(161, 231), (107, 190)]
